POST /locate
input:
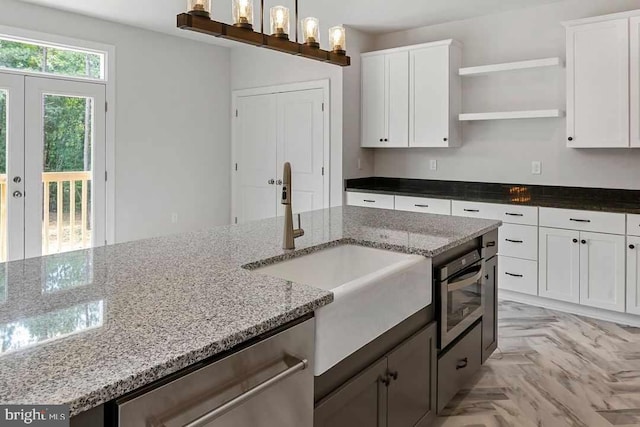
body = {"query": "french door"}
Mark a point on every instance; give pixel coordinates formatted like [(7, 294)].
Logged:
[(52, 185)]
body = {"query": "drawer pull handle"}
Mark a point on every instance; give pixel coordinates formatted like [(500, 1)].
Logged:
[(579, 220), (463, 363), (421, 206), (369, 201), (394, 375), (472, 210), (513, 214), (514, 241), (490, 244), (514, 275), (385, 380), (300, 365)]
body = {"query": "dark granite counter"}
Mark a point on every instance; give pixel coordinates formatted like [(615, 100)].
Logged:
[(596, 199)]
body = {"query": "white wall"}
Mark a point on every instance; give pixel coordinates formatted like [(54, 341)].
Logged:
[(502, 151), (172, 121)]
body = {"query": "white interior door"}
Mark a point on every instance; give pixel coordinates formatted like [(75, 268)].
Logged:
[(65, 194), (11, 167), (301, 143), (255, 196), (598, 84), (602, 271), (560, 264)]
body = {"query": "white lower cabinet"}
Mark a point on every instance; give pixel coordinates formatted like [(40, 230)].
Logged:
[(583, 268), (633, 275), (602, 271), (559, 264), (518, 275)]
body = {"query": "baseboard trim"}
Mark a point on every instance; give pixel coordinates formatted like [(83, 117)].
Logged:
[(567, 307)]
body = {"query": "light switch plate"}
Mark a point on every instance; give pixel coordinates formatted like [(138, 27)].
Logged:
[(536, 167), (433, 165)]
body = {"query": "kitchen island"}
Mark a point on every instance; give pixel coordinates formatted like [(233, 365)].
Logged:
[(86, 327)]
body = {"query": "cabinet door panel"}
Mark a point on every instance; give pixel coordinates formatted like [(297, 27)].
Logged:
[(635, 80), (598, 84), (412, 393), (360, 402), (490, 316), (559, 264), (602, 272), (429, 94), (633, 275), (373, 101), (397, 105)]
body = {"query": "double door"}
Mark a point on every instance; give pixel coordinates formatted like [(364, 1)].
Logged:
[(52, 166), (583, 268), (270, 130)]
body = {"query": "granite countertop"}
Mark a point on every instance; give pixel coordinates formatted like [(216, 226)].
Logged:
[(86, 327), (581, 198)]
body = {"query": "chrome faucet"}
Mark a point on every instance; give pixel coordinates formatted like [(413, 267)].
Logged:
[(289, 233)]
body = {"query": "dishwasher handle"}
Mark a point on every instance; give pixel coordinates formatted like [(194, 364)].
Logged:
[(300, 365)]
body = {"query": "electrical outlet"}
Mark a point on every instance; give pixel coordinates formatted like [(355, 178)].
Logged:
[(433, 165), (174, 218), (536, 168)]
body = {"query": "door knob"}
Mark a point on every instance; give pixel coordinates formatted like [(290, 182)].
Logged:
[(17, 194), (17, 179)]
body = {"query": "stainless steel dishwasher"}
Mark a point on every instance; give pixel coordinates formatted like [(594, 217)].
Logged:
[(267, 384)]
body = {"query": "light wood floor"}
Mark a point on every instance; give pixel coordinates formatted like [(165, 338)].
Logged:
[(553, 369)]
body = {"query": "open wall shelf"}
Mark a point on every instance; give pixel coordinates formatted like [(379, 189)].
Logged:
[(533, 114), (511, 66)]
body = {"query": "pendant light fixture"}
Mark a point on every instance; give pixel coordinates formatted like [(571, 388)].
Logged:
[(198, 19)]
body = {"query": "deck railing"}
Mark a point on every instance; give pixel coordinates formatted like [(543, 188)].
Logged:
[(65, 232)]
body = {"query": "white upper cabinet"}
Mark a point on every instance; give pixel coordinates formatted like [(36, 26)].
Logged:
[(411, 96), (598, 84), (435, 96), (634, 32), (385, 100)]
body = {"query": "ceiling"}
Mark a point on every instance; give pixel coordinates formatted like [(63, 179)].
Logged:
[(371, 16)]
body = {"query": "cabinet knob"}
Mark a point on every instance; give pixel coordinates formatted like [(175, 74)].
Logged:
[(393, 375), (446, 139), (632, 246), (381, 139), (584, 242), (386, 140), (570, 138), (575, 240)]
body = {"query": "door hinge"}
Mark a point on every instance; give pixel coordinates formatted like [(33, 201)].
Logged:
[(236, 113), (236, 167), (106, 107), (236, 220), (323, 171), (106, 176), (323, 106)]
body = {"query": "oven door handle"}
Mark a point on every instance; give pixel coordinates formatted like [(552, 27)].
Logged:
[(455, 286)]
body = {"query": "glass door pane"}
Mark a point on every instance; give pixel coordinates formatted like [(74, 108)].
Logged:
[(11, 167), (67, 173), (65, 166)]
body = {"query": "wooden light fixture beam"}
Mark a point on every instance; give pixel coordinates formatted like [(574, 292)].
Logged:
[(207, 26)]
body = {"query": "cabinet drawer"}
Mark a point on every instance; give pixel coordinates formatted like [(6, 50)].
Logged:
[(511, 214), (424, 205), (370, 200), (519, 241), (633, 225), (458, 365), (518, 275), (598, 222)]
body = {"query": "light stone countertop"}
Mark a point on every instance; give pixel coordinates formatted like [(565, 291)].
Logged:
[(86, 327)]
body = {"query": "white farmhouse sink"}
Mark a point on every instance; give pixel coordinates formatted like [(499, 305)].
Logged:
[(374, 290)]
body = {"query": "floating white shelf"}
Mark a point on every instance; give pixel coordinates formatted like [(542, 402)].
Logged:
[(522, 65), (534, 114)]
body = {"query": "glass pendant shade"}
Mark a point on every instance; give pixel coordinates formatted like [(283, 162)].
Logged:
[(280, 22), (199, 7), (311, 32), (243, 13), (338, 40)]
